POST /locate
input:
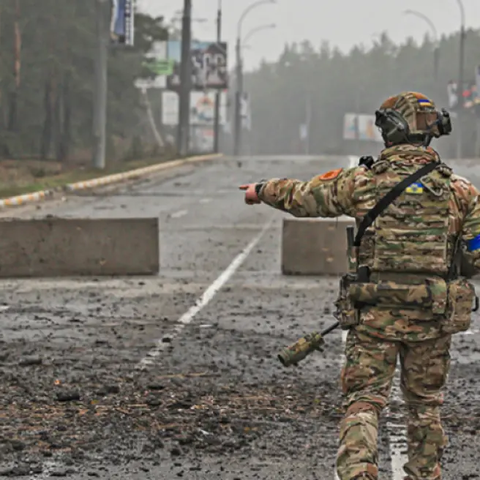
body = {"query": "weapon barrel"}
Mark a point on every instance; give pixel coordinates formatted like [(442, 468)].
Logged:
[(304, 347), (331, 328)]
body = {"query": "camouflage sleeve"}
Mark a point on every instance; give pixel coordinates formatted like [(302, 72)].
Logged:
[(470, 201), (327, 195)]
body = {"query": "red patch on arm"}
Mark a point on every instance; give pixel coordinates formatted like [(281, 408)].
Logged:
[(331, 175)]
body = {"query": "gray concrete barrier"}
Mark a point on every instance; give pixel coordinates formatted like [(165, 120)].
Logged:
[(56, 247), (315, 246)]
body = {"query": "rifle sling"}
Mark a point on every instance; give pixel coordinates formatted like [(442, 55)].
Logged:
[(393, 194)]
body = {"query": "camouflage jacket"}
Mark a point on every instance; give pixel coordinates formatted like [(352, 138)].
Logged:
[(353, 192)]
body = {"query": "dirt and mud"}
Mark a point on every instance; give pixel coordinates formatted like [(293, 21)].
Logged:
[(211, 401)]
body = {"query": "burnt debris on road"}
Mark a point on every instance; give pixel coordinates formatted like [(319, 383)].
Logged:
[(176, 374)]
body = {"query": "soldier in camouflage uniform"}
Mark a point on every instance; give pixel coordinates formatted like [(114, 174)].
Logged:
[(415, 297)]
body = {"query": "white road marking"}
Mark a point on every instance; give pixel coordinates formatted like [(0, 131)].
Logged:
[(397, 439), (342, 361), (469, 332), (397, 434), (179, 214), (207, 296), (205, 200)]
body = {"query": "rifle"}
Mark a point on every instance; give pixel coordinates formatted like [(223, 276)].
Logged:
[(305, 346)]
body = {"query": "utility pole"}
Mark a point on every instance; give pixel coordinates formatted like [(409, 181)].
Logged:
[(185, 81), (460, 82), (100, 97), (218, 94), (238, 100), (460, 95)]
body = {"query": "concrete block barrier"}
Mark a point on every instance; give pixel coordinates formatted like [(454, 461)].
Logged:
[(57, 247), (315, 246)]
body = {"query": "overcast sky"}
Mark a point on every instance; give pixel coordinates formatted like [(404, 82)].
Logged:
[(343, 23)]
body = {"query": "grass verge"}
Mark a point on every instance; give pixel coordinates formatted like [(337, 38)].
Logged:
[(18, 177)]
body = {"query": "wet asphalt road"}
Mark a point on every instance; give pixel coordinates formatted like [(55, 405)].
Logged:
[(117, 378)]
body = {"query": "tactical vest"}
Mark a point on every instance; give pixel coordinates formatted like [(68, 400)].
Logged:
[(409, 249), (412, 234)]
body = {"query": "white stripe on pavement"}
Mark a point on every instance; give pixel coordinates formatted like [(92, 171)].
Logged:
[(203, 301), (397, 439), (179, 214)]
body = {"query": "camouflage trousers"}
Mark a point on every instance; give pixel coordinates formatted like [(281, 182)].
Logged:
[(366, 381)]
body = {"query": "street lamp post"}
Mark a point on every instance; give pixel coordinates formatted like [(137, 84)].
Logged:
[(238, 100), (101, 74), (239, 75), (218, 94), (253, 31), (185, 80), (244, 45), (460, 81), (436, 51)]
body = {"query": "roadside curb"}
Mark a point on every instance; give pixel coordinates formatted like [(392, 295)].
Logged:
[(26, 198), (101, 181)]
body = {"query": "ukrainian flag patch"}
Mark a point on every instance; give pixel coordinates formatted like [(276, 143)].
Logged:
[(415, 188), (424, 102)]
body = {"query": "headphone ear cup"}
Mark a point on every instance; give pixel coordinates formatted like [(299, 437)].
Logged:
[(444, 122), (393, 126), (379, 115)]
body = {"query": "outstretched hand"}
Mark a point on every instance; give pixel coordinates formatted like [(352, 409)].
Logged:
[(251, 196)]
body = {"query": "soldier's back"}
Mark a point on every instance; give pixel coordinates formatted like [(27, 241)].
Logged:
[(410, 247)]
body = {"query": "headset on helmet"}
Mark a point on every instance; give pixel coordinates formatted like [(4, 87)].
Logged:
[(396, 130)]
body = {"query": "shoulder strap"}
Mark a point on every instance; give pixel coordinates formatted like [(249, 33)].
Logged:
[(385, 201)]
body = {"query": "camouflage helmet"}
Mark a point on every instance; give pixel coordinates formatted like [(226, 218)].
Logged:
[(411, 117)]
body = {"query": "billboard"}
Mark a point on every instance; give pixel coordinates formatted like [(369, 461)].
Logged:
[(202, 139), (202, 108), (245, 111), (361, 127), (157, 67), (350, 126), (122, 29), (452, 95), (208, 65), (367, 130)]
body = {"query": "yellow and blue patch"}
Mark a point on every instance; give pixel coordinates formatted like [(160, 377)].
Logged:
[(415, 188), (425, 102)]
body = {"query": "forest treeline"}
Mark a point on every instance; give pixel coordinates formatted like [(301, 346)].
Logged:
[(47, 52), (333, 84)]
